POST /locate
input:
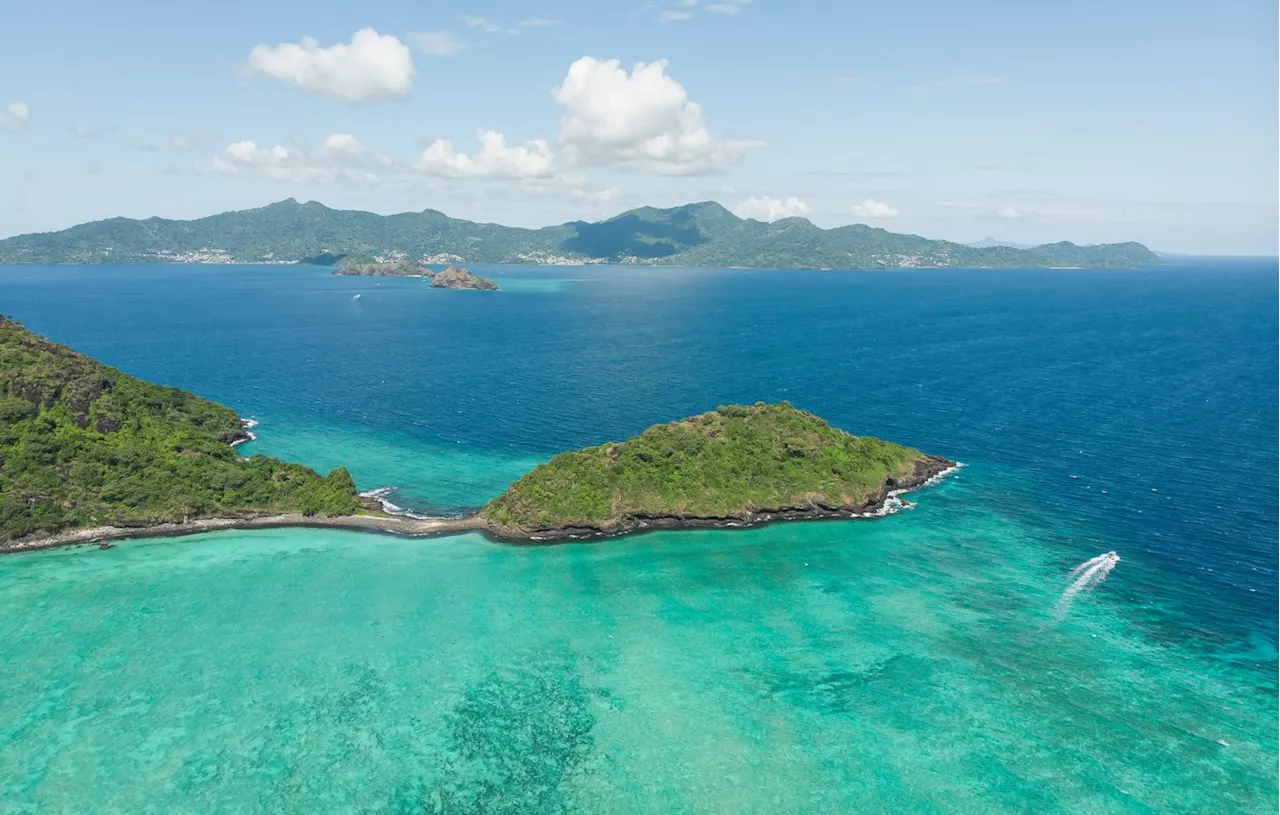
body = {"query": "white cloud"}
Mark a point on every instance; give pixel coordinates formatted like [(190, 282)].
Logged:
[(642, 120), (598, 196), (874, 209), (185, 142), (371, 67), (673, 15), (16, 117), (83, 131), (730, 7), (1009, 213), (536, 22), (342, 144), (340, 158), (495, 159), (482, 23), (767, 208), (441, 43)]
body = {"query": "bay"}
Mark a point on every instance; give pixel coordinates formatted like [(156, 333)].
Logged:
[(915, 663)]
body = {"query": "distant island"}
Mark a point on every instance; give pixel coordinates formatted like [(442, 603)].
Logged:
[(734, 466), (703, 234), (456, 277), (383, 268), (453, 277), (90, 454)]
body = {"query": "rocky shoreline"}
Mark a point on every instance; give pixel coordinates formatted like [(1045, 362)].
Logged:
[(392, 524), (927, 470)]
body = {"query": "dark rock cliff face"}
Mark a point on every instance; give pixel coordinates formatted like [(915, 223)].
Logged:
[(456, 277)]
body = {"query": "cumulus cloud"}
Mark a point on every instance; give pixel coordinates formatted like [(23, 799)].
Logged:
[(340, 158), (643, 119), (15, 117), (673, 15), (494, 161), (441, 43), (767, 208), (874, 209), (371, 67)]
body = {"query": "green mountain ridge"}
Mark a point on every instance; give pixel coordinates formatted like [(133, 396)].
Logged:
[(700, 234)]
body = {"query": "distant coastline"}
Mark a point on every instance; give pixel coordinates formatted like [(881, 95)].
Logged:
[(698, 235)]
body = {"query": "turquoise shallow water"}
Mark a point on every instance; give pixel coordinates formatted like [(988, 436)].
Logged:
[(904, 663), (910, 664)]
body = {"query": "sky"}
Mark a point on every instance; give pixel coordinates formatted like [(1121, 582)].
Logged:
[(1030, 122)]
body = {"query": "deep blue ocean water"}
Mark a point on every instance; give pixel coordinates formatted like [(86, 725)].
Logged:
[(1095, 410)]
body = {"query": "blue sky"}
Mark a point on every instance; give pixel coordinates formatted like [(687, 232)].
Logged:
[(1089, 121)]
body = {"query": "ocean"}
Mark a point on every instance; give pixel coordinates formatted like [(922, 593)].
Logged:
[(923, 662)]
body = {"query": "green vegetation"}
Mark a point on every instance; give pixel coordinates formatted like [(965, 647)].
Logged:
[(83, 444), (728, 463), (703, 234)]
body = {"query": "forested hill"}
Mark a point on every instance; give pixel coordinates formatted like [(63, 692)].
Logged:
[(83, 444), (703, 234)]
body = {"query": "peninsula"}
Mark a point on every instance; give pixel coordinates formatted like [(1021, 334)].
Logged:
[(701, 234), (89, 453), (84, 445)]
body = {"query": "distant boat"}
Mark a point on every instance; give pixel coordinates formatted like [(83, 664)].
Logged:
[(355, 297)]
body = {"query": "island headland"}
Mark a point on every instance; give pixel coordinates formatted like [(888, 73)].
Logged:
[(91, 454), (734, 466)]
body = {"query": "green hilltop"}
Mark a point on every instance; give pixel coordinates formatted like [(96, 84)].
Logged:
[(83, 444), (734, 464), (702, 234)]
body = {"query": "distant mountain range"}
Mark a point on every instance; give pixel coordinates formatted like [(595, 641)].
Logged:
[(989, 242), (704, 234)]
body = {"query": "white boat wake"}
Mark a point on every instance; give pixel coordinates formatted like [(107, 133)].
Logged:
[(1084, 578)]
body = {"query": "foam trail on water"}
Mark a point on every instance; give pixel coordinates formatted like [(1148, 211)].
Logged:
[(1088, 564), (1087, 576)]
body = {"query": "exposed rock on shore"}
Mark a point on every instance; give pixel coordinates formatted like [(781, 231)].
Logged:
[(455, 277)]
